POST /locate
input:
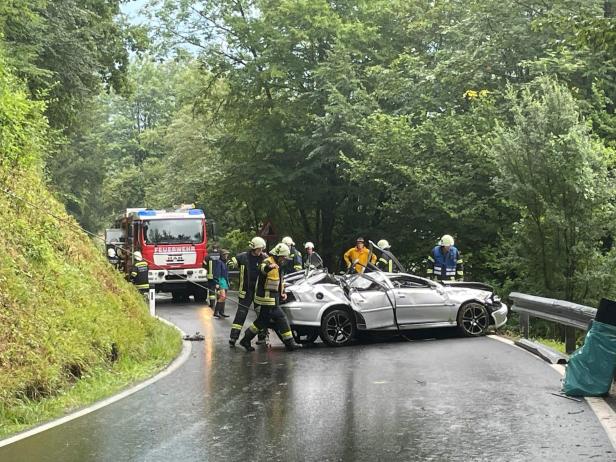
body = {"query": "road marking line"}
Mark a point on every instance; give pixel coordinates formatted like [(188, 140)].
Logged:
[(177, 362), (603, 411)]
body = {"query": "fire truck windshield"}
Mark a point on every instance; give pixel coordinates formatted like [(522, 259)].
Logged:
[(173, 231)]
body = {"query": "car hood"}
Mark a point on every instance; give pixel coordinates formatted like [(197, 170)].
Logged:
[(462, 294)]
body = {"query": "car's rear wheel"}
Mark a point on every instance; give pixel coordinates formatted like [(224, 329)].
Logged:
[(337, 327), (473, 319)]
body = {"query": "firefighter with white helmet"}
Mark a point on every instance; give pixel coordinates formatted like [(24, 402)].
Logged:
[(139, 273), (248, 264), (313, 259), (385, 262), (294, 263), (268, 294), (445, 262)]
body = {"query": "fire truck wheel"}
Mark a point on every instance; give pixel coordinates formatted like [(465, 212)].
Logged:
[(176, 296), (200, 295)]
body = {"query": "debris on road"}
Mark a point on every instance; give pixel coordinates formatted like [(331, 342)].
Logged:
[(196, 337), (560, 395)]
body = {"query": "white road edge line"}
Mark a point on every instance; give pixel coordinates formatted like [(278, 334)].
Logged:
[(603, 411), (177, 362)]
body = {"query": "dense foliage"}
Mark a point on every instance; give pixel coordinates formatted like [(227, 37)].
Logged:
[(490, 120), (65, 314)]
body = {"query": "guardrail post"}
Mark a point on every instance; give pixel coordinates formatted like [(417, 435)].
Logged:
[(569, 339), (525, 324), (152, 301)]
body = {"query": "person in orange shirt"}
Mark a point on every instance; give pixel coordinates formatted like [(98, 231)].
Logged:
[(359, 253)]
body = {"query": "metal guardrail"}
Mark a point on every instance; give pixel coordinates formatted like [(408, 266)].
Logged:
[(568, 314)]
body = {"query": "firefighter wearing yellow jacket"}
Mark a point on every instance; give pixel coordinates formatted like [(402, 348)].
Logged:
[(358, 256), (269, 292)]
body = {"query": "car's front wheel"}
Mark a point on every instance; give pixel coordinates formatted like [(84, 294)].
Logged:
[(337, 327), (473, 319)]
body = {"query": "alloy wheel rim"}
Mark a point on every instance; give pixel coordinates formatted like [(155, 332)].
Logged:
[(339, 328), (474, 319)]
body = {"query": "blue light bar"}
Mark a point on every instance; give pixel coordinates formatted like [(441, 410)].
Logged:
[(147, 213), (195, 212)]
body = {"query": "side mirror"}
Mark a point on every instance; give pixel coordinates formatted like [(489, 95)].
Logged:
[(213, 230)]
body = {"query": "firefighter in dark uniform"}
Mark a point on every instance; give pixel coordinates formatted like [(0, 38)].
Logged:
[(385, 262), (248, 264), (445, 262), (269, 292), (139, 274), (212, 259), (294, 262)]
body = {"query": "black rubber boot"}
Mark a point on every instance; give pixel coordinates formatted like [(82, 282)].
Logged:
[(246, 339), (221, 309), (290, 345), (213, 305)]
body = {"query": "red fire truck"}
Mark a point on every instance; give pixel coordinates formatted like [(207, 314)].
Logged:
[(173, 243)]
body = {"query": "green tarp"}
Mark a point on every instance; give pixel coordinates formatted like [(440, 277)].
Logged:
[(591, 368)]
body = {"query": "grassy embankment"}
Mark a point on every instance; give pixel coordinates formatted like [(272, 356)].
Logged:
[(72, 331)]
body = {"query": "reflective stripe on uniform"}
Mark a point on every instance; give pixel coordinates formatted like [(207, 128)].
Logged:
[(210, 270), (142, 286), (236, 327), (241, 287), (254, 329), (286, 335), (268, 301), (265, 301)]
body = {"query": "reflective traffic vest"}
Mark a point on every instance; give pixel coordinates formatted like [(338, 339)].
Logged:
[(445, 266), (270, 283)]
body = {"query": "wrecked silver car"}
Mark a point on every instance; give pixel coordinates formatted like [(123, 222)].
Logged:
[(336, 308)]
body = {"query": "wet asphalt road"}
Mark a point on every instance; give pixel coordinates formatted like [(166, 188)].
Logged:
[(431, 399)]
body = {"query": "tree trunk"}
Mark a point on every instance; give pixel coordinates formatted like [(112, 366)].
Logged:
[(329, 218)]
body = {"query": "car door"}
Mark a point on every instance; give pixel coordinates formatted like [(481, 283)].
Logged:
[(418, 302), (371, 300)]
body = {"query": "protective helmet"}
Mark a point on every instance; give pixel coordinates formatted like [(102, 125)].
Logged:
[(281, 250), (359, 239), (138, 256), (288, 240), (446, 240), (383, 244), (308, 245), (224, 252), (111, 253), (257, 243)]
